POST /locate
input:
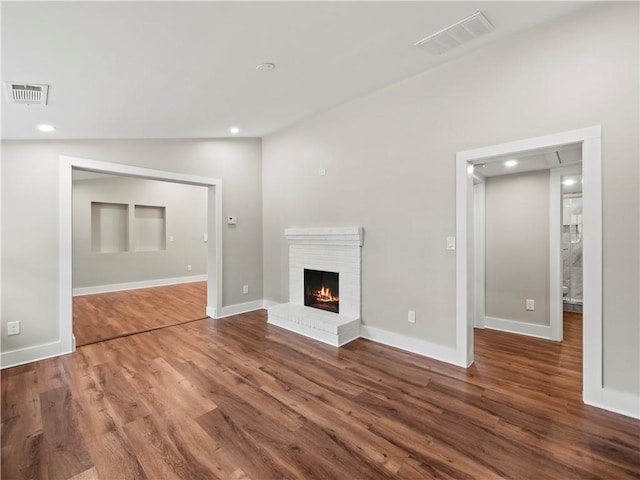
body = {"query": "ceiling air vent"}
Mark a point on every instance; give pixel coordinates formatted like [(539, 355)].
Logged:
[(26, 93), (457, 34)]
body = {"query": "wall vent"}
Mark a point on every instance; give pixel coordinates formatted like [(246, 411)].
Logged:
[(457, 34), (26, 93)]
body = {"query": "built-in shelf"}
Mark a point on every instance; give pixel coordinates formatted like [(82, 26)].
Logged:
[(109, 227), (150, 228)]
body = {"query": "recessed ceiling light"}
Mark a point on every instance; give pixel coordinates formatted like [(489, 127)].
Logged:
[(234, 130), (46, 128), (265, 67), (510, 163), (569, 181)]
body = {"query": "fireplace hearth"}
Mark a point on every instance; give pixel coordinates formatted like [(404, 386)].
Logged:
[(324, 284), (322, 290)]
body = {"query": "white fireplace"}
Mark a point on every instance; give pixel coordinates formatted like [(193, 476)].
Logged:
[(336, 252)]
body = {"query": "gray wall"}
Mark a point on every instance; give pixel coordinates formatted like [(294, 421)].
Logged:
[(390, 160), (186, 221), (30, 218), (517, 246)]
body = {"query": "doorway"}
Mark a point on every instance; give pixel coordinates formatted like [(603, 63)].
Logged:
[(139, 255), (590, 140), (214, 232)]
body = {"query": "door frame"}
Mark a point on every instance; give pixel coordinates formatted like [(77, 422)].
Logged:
[(214, 232), (590, 138)]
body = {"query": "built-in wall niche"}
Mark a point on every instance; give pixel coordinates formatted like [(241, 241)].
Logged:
[(150, 228), (109, 227)]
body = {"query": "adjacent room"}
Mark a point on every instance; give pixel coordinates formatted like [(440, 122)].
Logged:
[(320, 240), (139, 256)]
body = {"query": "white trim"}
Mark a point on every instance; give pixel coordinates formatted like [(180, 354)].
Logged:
[(592, 357), (118, 287), (514, 326), (590, 138), (464, 262), (615, 401), (214, 230), (555, 248), (14, 358), (269, 303), (479, 253), (411, 344), (241, 308), (349, 236)]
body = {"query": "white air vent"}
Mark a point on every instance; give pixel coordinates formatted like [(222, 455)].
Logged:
[(26, 93), (457, 34)]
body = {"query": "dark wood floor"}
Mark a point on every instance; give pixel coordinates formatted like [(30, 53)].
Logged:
[(110, 315), (237, 398)]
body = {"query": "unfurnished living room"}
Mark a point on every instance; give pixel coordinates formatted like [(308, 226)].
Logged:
[(320, 240)]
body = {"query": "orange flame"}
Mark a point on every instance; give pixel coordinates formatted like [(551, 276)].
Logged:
[(325, 295)]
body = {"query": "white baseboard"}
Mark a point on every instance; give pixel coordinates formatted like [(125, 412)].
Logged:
[(410, 344), (522, 328), (241, 308), (269, 303), (21, 356), (117, 287), (615, 401)]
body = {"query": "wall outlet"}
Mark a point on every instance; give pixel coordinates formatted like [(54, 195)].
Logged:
[(189, 268), (530, 304), (245, 289), (13, 328), (322, 172), (411, 316)]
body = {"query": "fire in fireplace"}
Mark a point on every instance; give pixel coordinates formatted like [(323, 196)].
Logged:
[(321, 290)]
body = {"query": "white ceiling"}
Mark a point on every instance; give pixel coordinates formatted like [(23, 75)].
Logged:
[(563, 156), (541, 159), (188, 69)]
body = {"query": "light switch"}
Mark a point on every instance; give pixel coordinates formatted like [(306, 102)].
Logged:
[(451, 243)]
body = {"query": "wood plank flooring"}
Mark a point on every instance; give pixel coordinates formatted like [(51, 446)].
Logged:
[(237, 399), (104, 316)]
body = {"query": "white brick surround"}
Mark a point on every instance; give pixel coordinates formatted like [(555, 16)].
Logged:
[(331, 250)]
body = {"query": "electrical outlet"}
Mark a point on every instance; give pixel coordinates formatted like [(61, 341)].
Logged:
[(411, 316), (245, 289), (530, 304), (13, 328), (189, 268)]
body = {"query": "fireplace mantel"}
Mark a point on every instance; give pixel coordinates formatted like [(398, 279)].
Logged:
[(332, 249), (346, 236)]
